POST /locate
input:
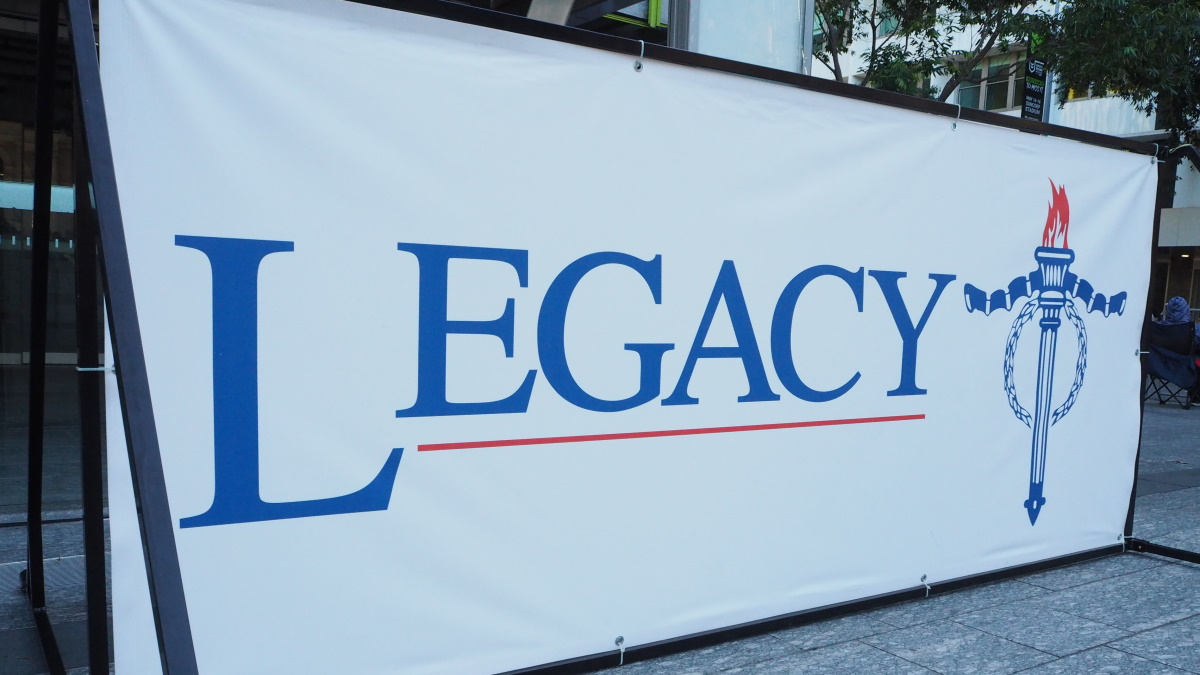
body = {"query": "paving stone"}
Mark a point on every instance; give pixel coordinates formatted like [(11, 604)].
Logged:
[(1153, 465), (1176, 644), (1158, 521), (946, 605), (1103, 661), (1092, 570), (1151, 487), (21, 652), (65, 593), (1043, 629), (13, 544), (1188, 540), (950, 647), (59, 540), (848, 658), (824, 633), (14, 605), (1177, 499), (1188, 478), (1134, 602), (676, 664), (715, 659), (742, 652)]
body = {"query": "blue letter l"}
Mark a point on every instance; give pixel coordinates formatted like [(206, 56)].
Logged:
[(236, 497)]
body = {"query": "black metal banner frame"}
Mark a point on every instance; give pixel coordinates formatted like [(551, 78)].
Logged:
[(169, 605), (89, 346), (101, 239), (34, 577)]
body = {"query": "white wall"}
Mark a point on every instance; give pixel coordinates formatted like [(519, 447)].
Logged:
[(1187, 188), (1108, 115)]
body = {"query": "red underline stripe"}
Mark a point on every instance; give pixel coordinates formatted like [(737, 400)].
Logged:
[(659, 434)]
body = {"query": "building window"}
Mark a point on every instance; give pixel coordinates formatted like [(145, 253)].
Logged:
[(997, 84), (1090, 92), (888, 24)]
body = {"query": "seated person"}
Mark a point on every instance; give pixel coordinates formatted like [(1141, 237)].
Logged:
[(1178, 312)]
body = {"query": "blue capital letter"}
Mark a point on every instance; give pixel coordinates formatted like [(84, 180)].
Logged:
[(433, 327), (552, 327), (781, 331), (236, 497), (909, 333), (729, 288)]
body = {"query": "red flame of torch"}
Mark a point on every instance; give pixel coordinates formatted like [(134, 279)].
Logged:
[(1057, 219)]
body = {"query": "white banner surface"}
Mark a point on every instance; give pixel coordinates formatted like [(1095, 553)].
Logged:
[(471, 351)]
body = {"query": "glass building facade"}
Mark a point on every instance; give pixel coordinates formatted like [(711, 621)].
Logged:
[(18, 97)]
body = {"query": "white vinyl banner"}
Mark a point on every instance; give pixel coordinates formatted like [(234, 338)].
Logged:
[(472, 351)]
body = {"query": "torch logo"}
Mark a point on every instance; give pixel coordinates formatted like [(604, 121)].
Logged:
[(1053, 289)]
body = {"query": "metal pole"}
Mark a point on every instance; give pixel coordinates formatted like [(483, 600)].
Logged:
[(553, 11), (167, 599), (39, 282), (43, 156), (679, 20), (91, 397), (807, 28)]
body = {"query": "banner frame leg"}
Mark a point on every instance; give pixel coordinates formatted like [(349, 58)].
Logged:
[(1143, 546), (33, 578), (167, 598), (91, 407)]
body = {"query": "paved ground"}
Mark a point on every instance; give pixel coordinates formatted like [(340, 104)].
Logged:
[(61, 488), (1128, 613)]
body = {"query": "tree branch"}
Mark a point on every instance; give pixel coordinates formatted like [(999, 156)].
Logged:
[(982, 48)]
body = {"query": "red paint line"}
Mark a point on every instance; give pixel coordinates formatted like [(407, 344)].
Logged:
[(659, 434)]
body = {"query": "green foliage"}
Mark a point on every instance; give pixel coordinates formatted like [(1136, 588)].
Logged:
[(920, 45), (895, 70), (1144, 51)]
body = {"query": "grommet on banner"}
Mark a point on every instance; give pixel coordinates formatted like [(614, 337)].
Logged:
[(928, 588), (637, 65), (957, 117), (620, 643)]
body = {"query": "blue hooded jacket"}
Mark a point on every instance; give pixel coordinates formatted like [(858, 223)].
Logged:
[(1177, 312)]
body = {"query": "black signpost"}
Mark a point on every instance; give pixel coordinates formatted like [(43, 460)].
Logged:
[(1034, 107)]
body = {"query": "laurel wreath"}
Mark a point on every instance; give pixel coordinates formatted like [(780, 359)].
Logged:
[(1010, 353)]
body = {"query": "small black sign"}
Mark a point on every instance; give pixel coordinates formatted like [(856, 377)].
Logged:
[(1035, 90)]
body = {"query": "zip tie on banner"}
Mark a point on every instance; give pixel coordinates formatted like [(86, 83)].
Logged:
[(928, 588), (1121, 538), (99, 369), (957, 117), (637, 65), (620, 643), (1154, 157)]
